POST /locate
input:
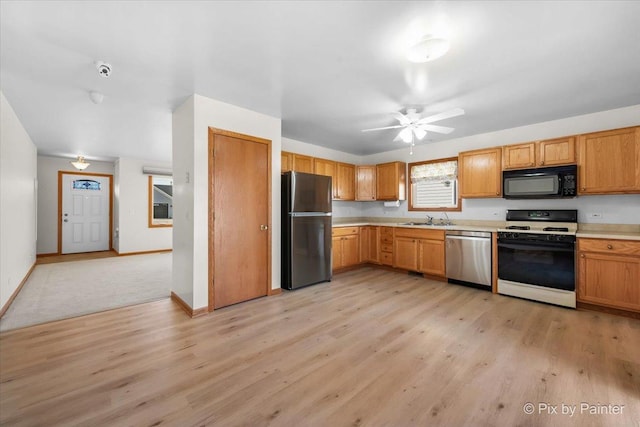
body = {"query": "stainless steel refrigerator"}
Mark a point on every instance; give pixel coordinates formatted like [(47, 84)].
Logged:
[(306, 229)]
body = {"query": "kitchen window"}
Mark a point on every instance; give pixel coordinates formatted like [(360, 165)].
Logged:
[(434, 185)]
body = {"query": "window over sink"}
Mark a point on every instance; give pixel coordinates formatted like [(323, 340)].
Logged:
[(434, 185)]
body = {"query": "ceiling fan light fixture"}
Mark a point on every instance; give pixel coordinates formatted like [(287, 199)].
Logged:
[(428, 48), (405, 135), (80, 164), (420, 133)]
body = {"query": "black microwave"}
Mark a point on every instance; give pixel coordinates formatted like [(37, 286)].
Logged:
[(541, 183)]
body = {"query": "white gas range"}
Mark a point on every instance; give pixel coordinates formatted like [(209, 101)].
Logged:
[(536, 256)]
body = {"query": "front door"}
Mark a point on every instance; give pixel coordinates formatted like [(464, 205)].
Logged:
[(85, 213), (241, 204)]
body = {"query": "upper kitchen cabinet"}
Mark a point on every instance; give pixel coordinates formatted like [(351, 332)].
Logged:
[(552, 152), (391, 181), (286, 161), (556, 152), (346, 182), (365, 183), (480, 173), (519, 156), (302, 163), (609, 162), (327, 168), (295, 162)]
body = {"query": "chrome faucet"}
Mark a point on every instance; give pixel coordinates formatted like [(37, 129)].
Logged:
[(429, 220), (447, 222)]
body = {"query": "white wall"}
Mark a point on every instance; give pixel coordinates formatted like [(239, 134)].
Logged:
[(134, 234), (200, 113), (618, 209), (18, 187), (48, 168)]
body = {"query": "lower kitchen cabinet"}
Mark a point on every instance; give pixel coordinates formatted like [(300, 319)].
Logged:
[(420, 250), (609, 273), (385, 246), (346, 247), (431, 257), (369, 242)]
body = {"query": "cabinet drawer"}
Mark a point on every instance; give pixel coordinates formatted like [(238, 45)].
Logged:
[(386, 258), (617, 247), (417, 233), (344, 231), (387, 247), (386, 231)]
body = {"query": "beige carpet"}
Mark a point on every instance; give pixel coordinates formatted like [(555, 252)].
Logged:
[(70, 289)]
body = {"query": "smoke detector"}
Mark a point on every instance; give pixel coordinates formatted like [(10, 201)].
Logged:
[(104, 69)]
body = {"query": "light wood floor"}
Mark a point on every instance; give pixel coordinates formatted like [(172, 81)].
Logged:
[(370, 348)]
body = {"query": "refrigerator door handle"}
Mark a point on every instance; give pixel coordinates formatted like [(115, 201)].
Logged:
[(300, 214)]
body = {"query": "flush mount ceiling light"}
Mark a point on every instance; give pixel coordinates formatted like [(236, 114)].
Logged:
[(427, 49), (96, 97), (80, 164)]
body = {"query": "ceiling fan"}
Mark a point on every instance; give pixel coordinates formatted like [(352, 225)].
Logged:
[(414, 125)]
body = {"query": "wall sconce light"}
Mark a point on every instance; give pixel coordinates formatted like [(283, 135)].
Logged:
[(80, 164)]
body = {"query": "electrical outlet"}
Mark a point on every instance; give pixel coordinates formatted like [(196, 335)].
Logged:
[(595, 215)]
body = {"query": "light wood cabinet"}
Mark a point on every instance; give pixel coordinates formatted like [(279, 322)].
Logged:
[(385, 247), (480, 173), (391, 181), (365, 183), (609, 162), (519, 156), (551, 152), (556, 152), (369, 242), (609, 273), (327, 168), (286, 160), (420, 250), (431, 255), (346, 247), (302, 163), (346, 188)]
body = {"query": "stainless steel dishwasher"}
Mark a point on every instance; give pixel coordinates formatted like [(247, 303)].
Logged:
[(468, 256)]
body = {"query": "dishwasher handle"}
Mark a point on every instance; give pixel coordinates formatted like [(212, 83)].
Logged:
[(481, 239), (468, 233)]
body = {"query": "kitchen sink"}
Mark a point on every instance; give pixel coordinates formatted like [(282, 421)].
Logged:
[(414, 223)]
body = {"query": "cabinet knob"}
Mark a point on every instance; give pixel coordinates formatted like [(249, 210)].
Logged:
[(609, 247), (583, 188), (497, 193), (541, 163), (582, 256)]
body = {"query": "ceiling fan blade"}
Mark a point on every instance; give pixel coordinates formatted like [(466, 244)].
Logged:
[(404, 120), (447, 114), (439, 129), (386, 127)]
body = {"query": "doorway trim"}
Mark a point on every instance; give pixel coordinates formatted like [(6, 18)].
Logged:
[(60, 173), (211, 164)]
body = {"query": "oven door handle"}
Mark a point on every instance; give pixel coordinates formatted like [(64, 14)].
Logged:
[(547, 246)]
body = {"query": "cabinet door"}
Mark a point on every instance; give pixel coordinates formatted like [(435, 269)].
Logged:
[(346, 181), (336, 253), (609, 280), (365, 183), (431, 257), (302, 163), (391, 181), (286, 161), (480, 173), (365, 244), (405, 253), (327, 168), (560, 151), (350, 250), (374, 244), (609, 162), (520, 156)]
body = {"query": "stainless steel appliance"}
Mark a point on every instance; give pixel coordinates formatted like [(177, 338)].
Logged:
[(468, 257), (306, 229), (542, 183), (536, 256)]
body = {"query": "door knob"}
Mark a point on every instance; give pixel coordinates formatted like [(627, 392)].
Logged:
[(264, 227)]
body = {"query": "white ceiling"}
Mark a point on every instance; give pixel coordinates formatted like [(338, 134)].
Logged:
[(327, 68)]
